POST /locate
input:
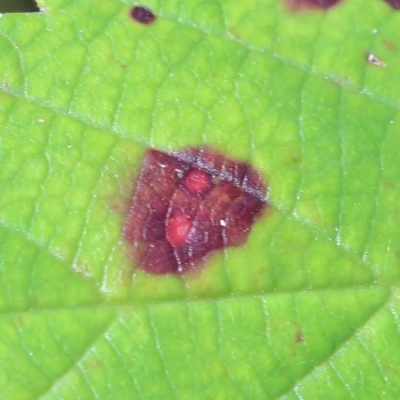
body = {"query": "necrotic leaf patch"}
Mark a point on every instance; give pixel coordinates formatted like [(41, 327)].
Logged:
[(187, 204)]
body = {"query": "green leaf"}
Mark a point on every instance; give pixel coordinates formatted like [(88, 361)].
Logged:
[(308, 308)]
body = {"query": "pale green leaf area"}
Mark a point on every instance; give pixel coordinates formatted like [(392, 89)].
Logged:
[(308, 309)]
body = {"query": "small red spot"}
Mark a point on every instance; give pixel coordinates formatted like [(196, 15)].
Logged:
[(297, 5), (197, 181), (142, 15), (178, 228)]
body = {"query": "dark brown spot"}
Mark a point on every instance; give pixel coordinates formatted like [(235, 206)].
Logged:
[(298, 5), (299, 337), (394, 4), (142, 15), (188, 204)]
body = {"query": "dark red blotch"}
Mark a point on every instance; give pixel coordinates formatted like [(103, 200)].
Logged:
[(189, 203), (297, 5), (142, 15), (394, 4)]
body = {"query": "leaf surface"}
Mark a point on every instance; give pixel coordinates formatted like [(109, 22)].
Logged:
[(308, 309)]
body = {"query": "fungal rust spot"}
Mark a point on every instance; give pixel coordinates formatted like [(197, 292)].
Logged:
[(143, 15), (394, 4), (298, 5), (187, 204)]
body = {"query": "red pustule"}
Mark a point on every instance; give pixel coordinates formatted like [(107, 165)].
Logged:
[(197, 181), (178, 228)]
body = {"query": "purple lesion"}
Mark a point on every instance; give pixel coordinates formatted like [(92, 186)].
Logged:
[(395, 4), (187, 204), (143, 15), (297, 5)]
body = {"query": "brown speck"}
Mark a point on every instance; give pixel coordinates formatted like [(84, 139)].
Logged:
[(143, 15), (295, 159), (96, 364), (299, 337), (388, 185), (389, 45), (374, 60)]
